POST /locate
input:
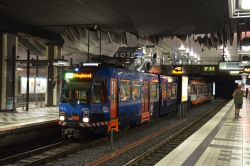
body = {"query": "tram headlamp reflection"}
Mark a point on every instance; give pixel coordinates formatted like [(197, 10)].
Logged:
[(61, 117), (85, 119)]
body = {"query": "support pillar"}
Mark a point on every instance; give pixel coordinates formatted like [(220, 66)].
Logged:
[(53, 86), (8, 45)]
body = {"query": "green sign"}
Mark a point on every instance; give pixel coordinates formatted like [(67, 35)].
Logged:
[(209, 68)]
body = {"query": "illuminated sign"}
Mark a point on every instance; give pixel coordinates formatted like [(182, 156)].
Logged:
[(209, 68), (177, 70), (247, 69), (184, 88), (213, 88), (36, 85), (230, 66), (78, 75)]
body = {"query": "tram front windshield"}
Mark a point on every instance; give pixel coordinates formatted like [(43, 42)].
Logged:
[(76, 92)]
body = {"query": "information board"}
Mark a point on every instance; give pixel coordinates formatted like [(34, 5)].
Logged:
[(184, 88), (38, 85), (233, 66)]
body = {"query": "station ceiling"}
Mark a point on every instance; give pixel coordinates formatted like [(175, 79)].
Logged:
[(143, 18)]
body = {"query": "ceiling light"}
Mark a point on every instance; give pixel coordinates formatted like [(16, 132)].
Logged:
[(182, 48), (234, 72), (127, 61), (245, 48), (245, 4)]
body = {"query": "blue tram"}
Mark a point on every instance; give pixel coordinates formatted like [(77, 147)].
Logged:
[(92, 96)]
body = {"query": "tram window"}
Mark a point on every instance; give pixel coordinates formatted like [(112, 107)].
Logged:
[(169, 90), (113, 94), (205, 89), (199, 87), (75, 92), (125, 90), (99, 94), (193, 89), (136, 90), (174, 90), (164, 90), (153, 90)]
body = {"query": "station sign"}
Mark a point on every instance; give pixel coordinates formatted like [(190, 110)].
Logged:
[(232, 66), (178, 70), (125, 52)]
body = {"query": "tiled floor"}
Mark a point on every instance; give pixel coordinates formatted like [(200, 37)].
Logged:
[(222, 141), (13, 120)]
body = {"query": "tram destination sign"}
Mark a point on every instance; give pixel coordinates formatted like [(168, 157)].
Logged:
[(232, 66)]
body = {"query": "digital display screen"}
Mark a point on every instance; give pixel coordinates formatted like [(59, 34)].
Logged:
[(209, 68), (184, 88), (78, 75)]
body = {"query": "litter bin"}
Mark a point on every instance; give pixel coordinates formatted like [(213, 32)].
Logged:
[(9, 103)]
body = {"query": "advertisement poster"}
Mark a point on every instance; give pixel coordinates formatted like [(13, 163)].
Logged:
[(38, 85), (184, 89)]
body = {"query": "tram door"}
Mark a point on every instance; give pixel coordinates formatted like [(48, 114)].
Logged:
[(113, 99), (145, 102)]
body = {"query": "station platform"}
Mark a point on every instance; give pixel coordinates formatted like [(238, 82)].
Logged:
[(21, 119), (222, 141)]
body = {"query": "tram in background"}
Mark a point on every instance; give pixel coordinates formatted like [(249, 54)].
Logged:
[(199, 91), (92, 96)]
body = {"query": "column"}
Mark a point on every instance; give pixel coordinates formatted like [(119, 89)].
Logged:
[(53, 84), (8, 45)]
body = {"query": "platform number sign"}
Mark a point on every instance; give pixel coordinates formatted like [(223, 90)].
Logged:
[(209, 68)]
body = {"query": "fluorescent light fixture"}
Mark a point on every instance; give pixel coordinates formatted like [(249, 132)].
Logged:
[(245, 4), (234, 72), (245, 48), (19, 69), (91, 64), (127, 61), (60, 62), (182, 48), (213, 88)]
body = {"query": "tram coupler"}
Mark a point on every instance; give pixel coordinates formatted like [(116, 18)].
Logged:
[(70, 133)]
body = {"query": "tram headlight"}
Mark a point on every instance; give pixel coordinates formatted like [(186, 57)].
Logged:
[(61, 117), (85, 119)]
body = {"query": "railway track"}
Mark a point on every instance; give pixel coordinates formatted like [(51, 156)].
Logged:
[(48, 153), (157, 152)]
